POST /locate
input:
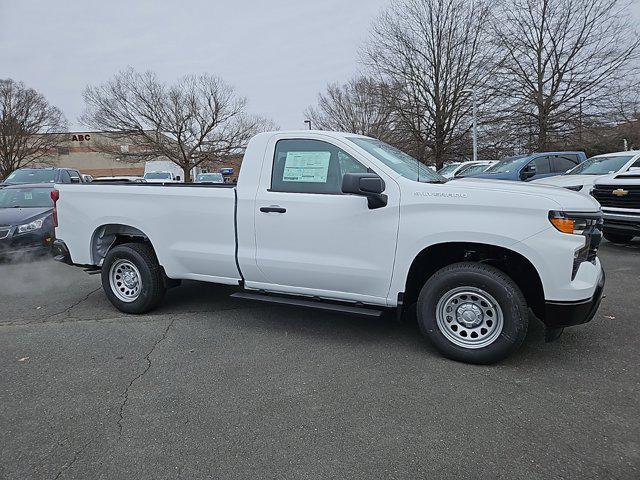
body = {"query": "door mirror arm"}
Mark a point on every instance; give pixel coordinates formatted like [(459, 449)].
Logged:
[(367, 185)]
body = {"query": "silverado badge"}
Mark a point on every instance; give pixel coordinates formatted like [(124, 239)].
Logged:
[(620, 192)]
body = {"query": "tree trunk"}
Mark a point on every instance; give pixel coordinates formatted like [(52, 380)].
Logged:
[(187, 173), (543, 131)]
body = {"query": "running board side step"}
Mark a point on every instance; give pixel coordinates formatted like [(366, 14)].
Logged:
[(315, 304)]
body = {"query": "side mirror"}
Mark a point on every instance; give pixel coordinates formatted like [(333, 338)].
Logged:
[(367, 185), (527, 172)]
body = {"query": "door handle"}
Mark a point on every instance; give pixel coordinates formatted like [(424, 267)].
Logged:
[(273, 209)]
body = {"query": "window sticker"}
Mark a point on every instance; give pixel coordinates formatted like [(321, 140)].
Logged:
[(28, 196), (306, 167)]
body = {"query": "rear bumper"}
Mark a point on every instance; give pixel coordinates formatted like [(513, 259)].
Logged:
[(566, 314), (61, 252)]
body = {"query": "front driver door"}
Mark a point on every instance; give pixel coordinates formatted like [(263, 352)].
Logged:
[(313, 239)]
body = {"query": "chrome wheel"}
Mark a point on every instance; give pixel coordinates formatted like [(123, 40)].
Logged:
[(469, 317), (125, 280)]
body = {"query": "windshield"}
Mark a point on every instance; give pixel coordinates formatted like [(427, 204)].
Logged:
[(448, 169), (210, 177), (472, 169), (25, 197), (32, 176), (507, 165), (600, 165), (398, 161), (158, 176)]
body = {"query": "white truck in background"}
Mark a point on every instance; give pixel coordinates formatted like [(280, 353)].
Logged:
[(162, 171), (347, 223)]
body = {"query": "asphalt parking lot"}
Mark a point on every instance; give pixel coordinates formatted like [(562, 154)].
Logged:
[(211, 387)]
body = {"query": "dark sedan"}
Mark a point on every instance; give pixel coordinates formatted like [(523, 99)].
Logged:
[(26, 220)]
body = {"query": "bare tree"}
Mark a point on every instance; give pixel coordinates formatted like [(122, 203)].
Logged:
[(197, 119), (562, 58), (30, 127), (432, 52), (359, 106)]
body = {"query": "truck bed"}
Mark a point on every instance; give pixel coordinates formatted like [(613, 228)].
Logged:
[(191, 225)]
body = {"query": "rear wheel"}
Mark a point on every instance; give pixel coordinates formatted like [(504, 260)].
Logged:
[(617, 237), (473, 313), (132, 278)]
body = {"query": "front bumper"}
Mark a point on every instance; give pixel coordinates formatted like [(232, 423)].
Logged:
[(566, 314), (622, 223), (33, 243)]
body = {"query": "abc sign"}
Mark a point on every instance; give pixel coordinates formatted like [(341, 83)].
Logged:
[(80, 137)]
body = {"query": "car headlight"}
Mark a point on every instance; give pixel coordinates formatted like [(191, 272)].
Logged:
[(30, 227), (575, 188)]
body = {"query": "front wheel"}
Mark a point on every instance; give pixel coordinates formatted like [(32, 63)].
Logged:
[(132, 278), (620, 238), (473, 312)]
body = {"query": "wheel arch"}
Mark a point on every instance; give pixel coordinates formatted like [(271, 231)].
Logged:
[(107, 236), (518, 267)]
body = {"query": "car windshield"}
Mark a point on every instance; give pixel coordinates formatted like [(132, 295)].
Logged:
[(158, 176), (470, 170), (25, 197), (507, 165), (600, 165), (34, 175), (448, 168), (210, 177), (398, 161)]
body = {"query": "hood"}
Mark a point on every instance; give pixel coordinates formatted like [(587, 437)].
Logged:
[(567, 180), (20, 216), (567, 199), (495, 176)]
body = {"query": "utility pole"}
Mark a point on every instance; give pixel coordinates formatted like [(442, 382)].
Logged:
[(475, 122), (308, 122)]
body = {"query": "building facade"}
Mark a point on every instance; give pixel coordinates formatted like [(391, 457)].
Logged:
[(101, 154)]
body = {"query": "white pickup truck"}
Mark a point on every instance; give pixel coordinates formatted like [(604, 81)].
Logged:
[(347, 223)]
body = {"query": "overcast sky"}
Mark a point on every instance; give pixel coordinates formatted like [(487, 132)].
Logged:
[(277, 53)]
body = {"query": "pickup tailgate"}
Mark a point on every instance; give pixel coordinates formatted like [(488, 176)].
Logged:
[(191, 227)]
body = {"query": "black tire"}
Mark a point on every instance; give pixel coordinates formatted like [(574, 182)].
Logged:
[(153, 289), (477, 277), (620, 238)]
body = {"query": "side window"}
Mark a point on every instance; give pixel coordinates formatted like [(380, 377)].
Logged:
[(311, 166), (75, 176), (65, 177), (563, 163), (542, 165), (635, 164)]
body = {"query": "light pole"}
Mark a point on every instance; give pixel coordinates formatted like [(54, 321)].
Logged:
[(475, 122), (580, 125), (308, 122)]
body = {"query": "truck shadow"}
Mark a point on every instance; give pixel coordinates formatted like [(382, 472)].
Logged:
[(335, 328)]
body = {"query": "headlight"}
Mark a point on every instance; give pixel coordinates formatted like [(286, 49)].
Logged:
[(30, 227), (574, 223), (589, 225), (575, 188)]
